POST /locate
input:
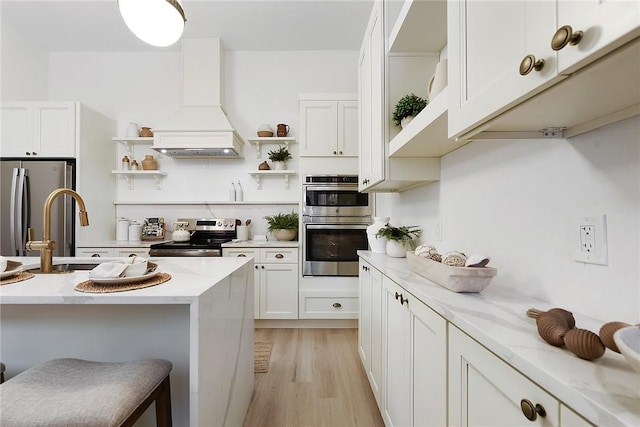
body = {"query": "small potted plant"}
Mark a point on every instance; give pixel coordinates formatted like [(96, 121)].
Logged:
[(283, 226), (279, 157), (407, 108), (399, 239)]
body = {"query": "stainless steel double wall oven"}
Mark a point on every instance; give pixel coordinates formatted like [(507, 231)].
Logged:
[(335, 218)]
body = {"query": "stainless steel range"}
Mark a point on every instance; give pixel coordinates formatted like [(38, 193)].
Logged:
[(207, 237)]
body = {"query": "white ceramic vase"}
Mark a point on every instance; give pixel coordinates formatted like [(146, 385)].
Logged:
[(439, 80), (279, 166), (378, 245), (396, 249)]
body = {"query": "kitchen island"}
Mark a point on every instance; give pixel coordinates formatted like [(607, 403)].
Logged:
[(201, 320)]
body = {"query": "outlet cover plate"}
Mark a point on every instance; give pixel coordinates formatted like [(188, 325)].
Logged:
[(591, 239)]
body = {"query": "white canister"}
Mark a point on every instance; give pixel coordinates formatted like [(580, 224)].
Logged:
[(135, 232), (243, 232), (133, 130), (439, 80), (122, 229), (378, 244)]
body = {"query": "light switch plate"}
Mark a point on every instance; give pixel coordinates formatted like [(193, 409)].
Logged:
[(591, 243)]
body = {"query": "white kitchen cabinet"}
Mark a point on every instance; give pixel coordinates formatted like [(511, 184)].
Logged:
[(605, 25), (376, 70), (415, 360), (328, 127), (484, 390), (370, 327), (569, 418), (38, 129), (96, 252), (128, 174), (275, 280), (512, 81)]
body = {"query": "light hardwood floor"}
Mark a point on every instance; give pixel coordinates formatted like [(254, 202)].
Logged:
[(315, 379)]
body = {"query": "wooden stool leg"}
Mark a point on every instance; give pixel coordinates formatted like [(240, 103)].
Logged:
[(163, 405)]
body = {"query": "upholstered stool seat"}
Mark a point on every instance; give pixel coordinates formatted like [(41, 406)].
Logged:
[(73, 392)]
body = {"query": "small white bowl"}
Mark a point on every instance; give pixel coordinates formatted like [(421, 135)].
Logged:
[(628, 342), (3, 264)]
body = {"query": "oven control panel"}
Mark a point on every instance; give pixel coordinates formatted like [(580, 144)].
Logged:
[(210, 224)]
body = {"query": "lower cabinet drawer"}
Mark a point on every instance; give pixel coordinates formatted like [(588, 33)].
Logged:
[(325, 307)]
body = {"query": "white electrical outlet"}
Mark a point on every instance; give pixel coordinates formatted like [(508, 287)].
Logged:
[(591, 233), (437, 230)]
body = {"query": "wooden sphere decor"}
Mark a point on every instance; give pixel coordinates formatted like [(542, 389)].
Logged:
[(606, 334), (584, 344), (552, 328)]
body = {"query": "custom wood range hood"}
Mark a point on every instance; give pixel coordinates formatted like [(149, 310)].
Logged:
[(200, 128)]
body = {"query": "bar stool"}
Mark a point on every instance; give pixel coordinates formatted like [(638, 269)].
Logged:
[(74, 392)]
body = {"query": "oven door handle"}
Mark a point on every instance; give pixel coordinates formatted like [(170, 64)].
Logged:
[(336, 226), (336, 188)]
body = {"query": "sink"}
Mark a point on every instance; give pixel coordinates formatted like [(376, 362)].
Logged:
[(67, 267), (628, 342)]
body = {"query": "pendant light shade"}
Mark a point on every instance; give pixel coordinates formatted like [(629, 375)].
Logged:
[(156, 22)]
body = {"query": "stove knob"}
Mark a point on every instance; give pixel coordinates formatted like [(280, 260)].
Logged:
[(219, 223)]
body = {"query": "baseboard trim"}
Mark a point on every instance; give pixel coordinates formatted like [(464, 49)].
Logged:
[(306, 323)]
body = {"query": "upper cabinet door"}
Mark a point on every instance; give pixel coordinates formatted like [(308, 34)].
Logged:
[(604, 24), (16, 128), (347, 128), (488, 41), (55, 129), (318, 128)]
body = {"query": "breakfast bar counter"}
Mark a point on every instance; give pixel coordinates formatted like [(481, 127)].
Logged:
[(201, 320)]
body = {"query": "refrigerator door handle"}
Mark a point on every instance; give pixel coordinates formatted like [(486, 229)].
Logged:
[(13, 211)]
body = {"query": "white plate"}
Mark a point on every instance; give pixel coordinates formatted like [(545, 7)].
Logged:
[(8, 273), (124, 280)]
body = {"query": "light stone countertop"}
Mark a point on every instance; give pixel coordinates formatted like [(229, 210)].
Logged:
[(606, 391), (262, 244), (190, 277)]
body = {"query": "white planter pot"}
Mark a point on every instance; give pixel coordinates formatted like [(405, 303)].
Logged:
[(404, 122), (378, 245), (279, 166), (284, 235), (396, 249)]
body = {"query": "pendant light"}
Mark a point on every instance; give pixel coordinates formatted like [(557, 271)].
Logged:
[(156, 22)]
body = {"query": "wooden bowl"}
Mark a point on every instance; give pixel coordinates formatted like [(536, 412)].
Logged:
[(265, 133)]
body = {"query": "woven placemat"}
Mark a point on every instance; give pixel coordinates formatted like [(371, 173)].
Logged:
[(100, 288), (18, 277)]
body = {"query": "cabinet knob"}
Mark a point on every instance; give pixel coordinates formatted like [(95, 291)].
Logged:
[(279, 256), (397, 295), (564, 36), (27, 153), (262, 266), (532, 411), (365, 268), (337, 305), (255, 266), (335, 152), (529, 64), (403, 300), (340, 152), (241, 255)]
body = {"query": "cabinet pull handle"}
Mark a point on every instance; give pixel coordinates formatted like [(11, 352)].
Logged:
[(279, 256), (337, 305), (529, 64), (95, 256), (564, 36), (532, 411), (241, 255)]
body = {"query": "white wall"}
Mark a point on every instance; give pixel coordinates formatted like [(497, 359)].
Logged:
[(517, 201), (146, 88), (24, 68)]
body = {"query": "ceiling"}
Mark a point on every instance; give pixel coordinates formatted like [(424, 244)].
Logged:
[(96, 25)]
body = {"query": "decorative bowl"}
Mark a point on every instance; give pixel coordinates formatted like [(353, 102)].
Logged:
[(456, 279), (284, 235), (628, 342), (265, 133)]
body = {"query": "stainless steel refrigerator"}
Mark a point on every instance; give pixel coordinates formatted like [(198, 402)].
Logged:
[(25, 185)]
